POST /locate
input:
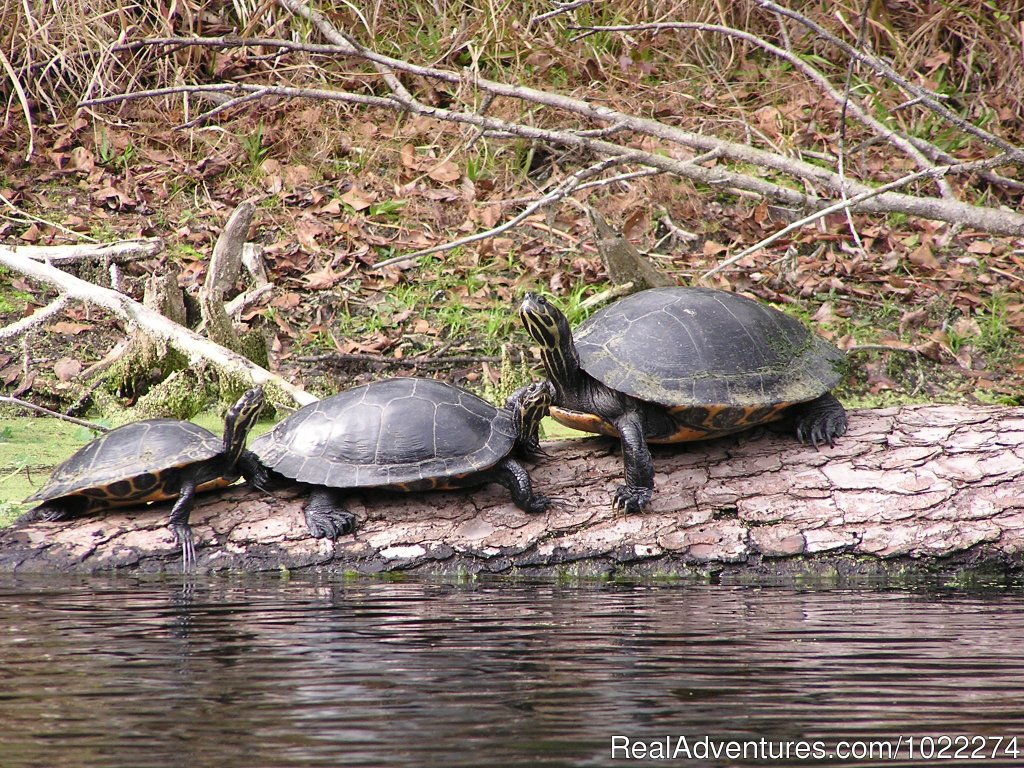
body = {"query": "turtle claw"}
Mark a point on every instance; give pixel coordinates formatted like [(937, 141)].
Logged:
[(822, 431), (329, 524), (44, 514), (631, 498), (821, 421), (537, 504), (183, 533)]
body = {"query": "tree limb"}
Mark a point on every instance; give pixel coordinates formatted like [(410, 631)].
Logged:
[(153, 323), (986, 219), (917, 488)]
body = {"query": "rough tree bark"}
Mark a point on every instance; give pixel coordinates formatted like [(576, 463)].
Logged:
[(930, 488)]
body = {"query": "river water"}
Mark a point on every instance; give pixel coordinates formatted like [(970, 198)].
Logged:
[(274, 673)]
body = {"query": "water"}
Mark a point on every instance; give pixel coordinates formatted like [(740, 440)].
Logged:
[(261, 673)]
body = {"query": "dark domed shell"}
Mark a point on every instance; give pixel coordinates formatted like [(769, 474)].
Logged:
[(698, 346), (144, 448), (389, 432)]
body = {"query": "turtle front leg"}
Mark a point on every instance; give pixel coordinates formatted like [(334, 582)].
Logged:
[(325, 517), (636, 461), (820, 421), (511, 474), (178, 523)]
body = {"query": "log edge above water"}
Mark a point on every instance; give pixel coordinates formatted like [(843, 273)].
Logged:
[(927, 488)]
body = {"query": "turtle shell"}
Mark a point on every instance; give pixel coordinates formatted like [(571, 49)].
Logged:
[(704, 348), (407, 433), (133, 463)]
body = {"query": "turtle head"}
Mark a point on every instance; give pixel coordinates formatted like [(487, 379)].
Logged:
[(529, 405), (239, 420), (550, 329)]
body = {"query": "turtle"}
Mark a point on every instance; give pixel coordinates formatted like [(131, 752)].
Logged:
[(674, 364), (150, 460), (404, 434)]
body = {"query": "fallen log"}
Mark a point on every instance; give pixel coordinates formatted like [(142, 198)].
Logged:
[(932, 488)]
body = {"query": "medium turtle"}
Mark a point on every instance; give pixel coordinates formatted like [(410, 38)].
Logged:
[(150, 460), (673, 364), (406, 434)]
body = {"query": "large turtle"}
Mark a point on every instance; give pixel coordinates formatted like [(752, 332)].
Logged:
[(673, 364), (407, 434), (150, 460)]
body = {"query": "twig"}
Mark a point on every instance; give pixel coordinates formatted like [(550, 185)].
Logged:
[(842, 99), (37, 317), (18, 213), (674, 229), (605, 182), (23, 101), (559, 9), (841, 153), (880, 67), (622, 289), (563, 188), (39, 409), (844, 204)]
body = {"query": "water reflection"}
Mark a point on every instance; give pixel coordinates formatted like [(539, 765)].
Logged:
[(114, 672)]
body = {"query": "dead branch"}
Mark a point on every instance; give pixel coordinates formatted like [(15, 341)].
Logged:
[(894, 137), (125, 250), (842, 205), (17, 401), (561, 190), (35, 319), (978, 217), (879, 66), (153, 323), (225, 266)]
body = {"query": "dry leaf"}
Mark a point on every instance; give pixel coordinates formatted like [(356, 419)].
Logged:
[(67, 368), (445, 172), (83, 160), (322, 279), (408, 156), (358, 199), (65, 326), (922, 257)]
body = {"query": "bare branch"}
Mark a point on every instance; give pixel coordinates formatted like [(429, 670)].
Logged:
[(847, 204), (153, 323), (987, 219), (125, 250), (23, 101), (37, 317), (928, 99), (842, 99), (17, 401), (565, 187)]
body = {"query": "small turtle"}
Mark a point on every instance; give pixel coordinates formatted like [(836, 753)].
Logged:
[(668, 365), (150, 460), (406, 434)]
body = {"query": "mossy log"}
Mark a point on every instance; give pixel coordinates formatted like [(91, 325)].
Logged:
[(932, 489)]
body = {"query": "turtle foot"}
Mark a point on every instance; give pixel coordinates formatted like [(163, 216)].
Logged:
[(821, 421), (183, 533), (537, 504), (329, 524), (44, 514), (631, 498)]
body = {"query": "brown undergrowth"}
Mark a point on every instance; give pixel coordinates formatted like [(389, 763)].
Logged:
[(933, 311)]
